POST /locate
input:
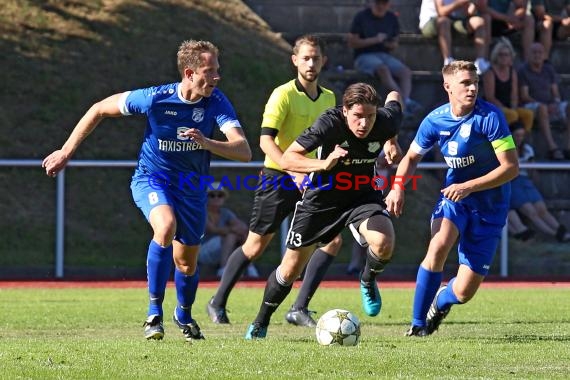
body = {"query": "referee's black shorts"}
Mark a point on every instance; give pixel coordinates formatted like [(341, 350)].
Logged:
[(275, 198)]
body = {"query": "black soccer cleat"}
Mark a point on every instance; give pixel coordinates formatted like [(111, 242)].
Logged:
[(300, 317), (417, 331), (191, 331), (153, 328), (436, 316), (217, 314)]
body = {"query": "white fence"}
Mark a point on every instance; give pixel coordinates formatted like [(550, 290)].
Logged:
[(60, 196)]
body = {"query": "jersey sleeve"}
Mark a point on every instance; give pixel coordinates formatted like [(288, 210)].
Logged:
[(136, 102), (226, 115), (390, 117), (314, 136), (426, 137), (275, 110), (496, 129)]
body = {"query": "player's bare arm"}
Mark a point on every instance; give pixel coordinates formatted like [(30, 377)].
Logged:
[(235, 148), (294, 159), (393, 151), (406, 168), (270, 148), (57, 160), (507, 170)]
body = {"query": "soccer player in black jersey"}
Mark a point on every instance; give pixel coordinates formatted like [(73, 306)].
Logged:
[(341, 192)]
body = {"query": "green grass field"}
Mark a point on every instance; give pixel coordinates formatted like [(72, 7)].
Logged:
[(82, 333)]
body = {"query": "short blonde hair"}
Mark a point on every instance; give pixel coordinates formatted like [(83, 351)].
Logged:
[(189, 54), (457, 66)]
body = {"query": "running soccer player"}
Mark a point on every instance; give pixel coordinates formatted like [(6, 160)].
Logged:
[(291, 108), (477, 145), (348, 140), (174, 157)]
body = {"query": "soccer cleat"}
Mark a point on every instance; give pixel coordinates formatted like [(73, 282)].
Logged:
[(371, 300), (217, 314), (417, 331), (191, 331), (256, 331), (434, 315), (153, 328), (300, 317)]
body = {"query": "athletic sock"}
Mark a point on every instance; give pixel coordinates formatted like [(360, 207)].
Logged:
[(316, 269), (276, 290), (158, 267), (186, 287), (235, 267), (447, 298), (427, 284), (373, 266)]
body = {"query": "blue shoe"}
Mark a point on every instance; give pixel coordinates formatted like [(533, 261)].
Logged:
[(371, 300), (256, 331)]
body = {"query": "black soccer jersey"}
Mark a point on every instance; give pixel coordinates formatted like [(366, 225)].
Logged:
[(354, 174)]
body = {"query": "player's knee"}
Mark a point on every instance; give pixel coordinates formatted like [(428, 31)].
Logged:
[(188, 269), (382, 247), (463, 295)]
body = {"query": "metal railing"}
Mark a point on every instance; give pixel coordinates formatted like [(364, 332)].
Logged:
[(60, 195)]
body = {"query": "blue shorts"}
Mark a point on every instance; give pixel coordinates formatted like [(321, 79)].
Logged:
[(189, 207), (369, 63), (523, 191), (479, 234)]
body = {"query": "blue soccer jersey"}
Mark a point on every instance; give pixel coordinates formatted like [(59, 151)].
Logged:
[(164, 152), (468, 144)]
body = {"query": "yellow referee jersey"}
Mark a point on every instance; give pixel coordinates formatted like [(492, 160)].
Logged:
[(291, 111)]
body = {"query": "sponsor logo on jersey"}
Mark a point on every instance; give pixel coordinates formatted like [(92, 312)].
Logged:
[(357, 161), (373, 146), (465, 130), (198, 115), (344, 144), (445, 133), (459, 162), (171, 113), (178, 146), (180, 131), (452, 148)]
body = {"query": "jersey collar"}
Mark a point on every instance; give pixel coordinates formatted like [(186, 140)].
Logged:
[(300, 88), (182, 99)]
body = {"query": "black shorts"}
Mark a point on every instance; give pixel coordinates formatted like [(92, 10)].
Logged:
[(312, 224), (500, 28), (275, 198)]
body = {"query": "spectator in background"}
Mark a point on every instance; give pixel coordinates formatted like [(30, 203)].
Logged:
[(504, 22), (374, 35), (525, 197), (550, 26), (517, 228), (441, 17), (501, 85), (224, 232), (540, 93)]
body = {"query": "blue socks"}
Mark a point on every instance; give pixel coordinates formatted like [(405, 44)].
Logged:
[(158, 266), (447, 298), (427, 284), (186, 287)]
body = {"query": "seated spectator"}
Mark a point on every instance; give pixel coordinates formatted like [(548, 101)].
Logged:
[(374, 35), (551, 26), (517, 228), (540, 93), (224, 232), (501, 85), (525, 197), (442, 17), (504, 22)]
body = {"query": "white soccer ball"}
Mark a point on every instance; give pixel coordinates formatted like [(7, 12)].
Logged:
[(338, 327)]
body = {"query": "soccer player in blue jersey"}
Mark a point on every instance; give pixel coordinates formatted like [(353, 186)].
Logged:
[(174, 159), (477, 145)]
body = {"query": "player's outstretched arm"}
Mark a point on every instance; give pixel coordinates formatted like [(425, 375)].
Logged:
[(507, 170), (57, 160), (235, 148), (395, 198), (294, 159)]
